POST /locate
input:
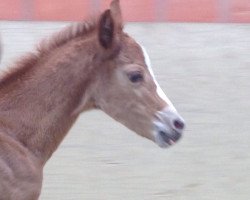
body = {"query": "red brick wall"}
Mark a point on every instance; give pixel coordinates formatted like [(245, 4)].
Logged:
[(133, 10)]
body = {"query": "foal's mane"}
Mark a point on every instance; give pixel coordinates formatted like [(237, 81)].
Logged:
[(73, 31), (27, 62)]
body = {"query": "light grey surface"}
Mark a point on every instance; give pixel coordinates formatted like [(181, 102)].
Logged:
[(204, 69)]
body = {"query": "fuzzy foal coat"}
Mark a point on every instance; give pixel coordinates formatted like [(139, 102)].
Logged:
[(40, 99)]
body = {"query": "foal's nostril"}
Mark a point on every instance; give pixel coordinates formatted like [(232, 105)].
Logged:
[(179, 124)]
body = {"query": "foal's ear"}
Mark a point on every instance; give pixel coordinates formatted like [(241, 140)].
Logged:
[(117, 14), (110, 24), (106, 29)]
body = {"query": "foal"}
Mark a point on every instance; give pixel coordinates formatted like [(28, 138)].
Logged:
[(88, 65)]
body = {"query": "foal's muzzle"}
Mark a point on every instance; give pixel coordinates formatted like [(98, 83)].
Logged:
[(168, 127)]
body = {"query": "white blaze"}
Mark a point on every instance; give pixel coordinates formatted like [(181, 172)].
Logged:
[(159, 90)]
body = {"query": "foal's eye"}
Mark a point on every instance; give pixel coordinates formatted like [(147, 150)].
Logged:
[(135, 77)]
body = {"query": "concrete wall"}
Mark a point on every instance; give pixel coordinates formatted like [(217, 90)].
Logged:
[(133, 10)]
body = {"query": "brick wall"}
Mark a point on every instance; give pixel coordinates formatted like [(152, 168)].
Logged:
[(133, 10)]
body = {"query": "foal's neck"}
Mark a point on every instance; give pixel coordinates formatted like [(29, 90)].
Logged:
[(38, 108)]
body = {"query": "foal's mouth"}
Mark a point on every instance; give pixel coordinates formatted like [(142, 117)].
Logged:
[(168, 128), (168, 138)]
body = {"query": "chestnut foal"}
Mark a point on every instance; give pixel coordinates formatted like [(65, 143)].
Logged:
[(88, 65)]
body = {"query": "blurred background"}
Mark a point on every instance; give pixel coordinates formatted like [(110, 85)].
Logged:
[(133, 10), (200, 55)]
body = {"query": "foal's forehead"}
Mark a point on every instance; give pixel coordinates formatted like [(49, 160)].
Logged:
[(133, 51)]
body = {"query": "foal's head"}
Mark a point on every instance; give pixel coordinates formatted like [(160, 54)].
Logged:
[(126, 88)]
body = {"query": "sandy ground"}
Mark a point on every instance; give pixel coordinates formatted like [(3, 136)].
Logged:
[(204, 69)]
